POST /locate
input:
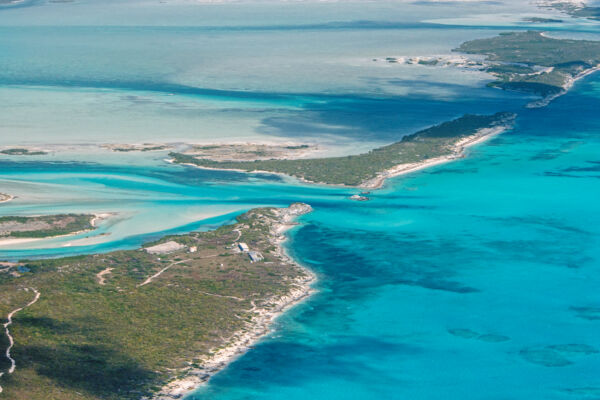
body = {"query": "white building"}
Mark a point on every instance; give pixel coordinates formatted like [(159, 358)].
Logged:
[(243, 247), (255, 256)]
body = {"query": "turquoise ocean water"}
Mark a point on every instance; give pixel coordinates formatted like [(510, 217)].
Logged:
[(477, 279), (474, 280)]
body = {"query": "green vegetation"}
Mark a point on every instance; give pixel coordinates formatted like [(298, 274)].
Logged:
[(22, 152), (539, 20), (356, 169), (96, 333), (139, 148), (44, 226), (532, 62)]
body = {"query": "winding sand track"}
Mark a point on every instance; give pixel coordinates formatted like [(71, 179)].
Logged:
[(159, 273), (100, 276), (11, 342)]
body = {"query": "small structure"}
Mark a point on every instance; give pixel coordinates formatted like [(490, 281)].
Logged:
[(193, 249), (243, 247), (255, 256), (165, 248)]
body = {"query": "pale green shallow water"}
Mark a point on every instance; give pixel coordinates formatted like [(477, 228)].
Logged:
[(473, 280)]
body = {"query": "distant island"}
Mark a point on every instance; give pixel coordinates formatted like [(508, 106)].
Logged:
[(22, 152), (151, 323), (435, 145), (539, 20), (529, 62), (535, 63), (5, 197)]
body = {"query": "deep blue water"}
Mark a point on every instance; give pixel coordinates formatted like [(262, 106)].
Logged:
[(462, 282)]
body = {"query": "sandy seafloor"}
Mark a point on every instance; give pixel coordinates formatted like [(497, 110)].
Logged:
[(465, 281)]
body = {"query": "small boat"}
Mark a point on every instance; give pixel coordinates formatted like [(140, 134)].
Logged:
[(358, 197)]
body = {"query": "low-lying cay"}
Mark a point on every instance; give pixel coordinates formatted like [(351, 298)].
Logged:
[(438, 144)]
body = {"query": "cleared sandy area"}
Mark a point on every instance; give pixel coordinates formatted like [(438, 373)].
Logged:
[(165, 248)]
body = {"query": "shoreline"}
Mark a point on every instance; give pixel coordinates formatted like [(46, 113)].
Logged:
[(565, 88), (458, 148), (261, 324)]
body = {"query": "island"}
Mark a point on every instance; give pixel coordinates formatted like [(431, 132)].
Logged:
[(151, 323), (529, 62), (22, 152), (431, 146), (532, 62), (540, 20), (16, 228)]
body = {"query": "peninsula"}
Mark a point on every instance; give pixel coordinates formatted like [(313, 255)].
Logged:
[(435, 145), (151, 323), (15, 228)]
